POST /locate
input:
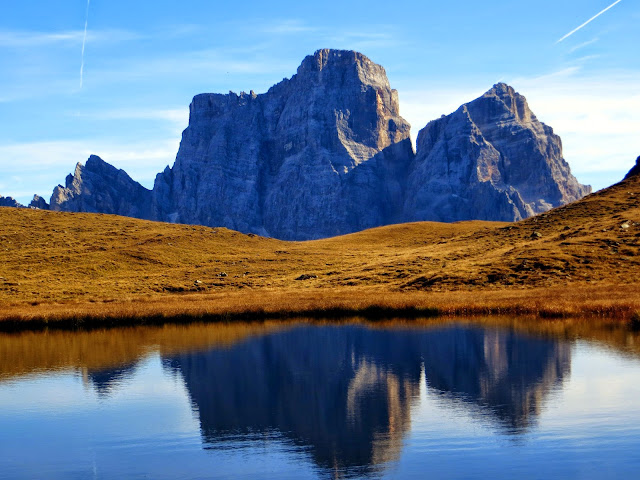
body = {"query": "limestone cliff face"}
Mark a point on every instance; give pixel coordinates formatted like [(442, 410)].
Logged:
[(320, 154), (489, 160), (98, 187)]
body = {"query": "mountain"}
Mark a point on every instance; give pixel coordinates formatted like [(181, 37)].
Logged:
[(326, 153), (489, 160), (317, 155), (37, 202), (98, 187), (9, 202)]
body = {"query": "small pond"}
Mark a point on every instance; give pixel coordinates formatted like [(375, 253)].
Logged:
[(402, 399)]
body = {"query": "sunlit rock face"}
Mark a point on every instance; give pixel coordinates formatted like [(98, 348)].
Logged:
[(98, 187), (489, 160), (347, 393), (320, 154)]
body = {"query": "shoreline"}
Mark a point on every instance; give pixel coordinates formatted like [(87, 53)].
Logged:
[(613, 302)]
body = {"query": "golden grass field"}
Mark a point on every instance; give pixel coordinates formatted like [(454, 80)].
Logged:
[(581, 259)]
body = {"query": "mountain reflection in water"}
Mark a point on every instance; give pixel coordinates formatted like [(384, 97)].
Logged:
[(345, 393)]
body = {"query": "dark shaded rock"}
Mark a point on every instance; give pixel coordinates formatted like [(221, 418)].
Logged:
[(320, 154), (10, 202), (635, 170), (98, 187), (489, 160), (39, 203), (306, 276)]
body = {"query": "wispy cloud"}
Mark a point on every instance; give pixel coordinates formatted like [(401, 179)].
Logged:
[(217, 63), (287, 27), (376, 36), (37, 39), (364, 40), (84, 42), (588, 21), (582, 45), (30, 39), (175, 119), (168, 114)]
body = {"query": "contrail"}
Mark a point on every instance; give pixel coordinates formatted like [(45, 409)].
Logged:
[(588, 21), (84, 41)]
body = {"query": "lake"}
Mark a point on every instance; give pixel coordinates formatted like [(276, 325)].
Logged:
[(401, 399)]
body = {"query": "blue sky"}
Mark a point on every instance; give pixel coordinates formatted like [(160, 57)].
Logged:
[(144, 61)]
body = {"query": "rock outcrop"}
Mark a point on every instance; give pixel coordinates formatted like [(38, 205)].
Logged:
[(320, 154), (10, 202), (489, 160), (326, 153), (635, 170), (39, 203), (98, 187)]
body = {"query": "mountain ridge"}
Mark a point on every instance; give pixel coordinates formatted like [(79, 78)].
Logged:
[(326, 152)]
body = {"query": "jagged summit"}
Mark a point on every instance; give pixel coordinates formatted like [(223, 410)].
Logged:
[(98, 187), (9, 202), (492, 160), (514, 104)]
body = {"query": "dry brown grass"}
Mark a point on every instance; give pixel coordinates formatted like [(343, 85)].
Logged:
[(78, 267)]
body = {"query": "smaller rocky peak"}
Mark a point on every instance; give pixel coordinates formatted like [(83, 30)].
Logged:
[(635, 171), (39, 203), (10, 202), (99, 187)]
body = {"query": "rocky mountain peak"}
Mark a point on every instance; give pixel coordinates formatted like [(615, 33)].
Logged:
[(351, 65), (39, 203), (492, 160), (329, 140), (9, 202), (99, 187)]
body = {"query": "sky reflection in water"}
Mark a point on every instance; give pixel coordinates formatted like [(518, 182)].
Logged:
[(307, 401)]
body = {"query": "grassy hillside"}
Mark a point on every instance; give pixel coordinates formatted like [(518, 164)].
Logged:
[(581, 258)]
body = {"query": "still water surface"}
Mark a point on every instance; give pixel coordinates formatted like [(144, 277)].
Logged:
[(302, 400)]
